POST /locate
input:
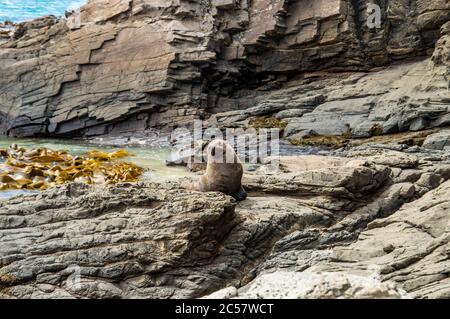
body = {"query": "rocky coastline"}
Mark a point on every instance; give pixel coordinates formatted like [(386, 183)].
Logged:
[(360, 207), (121, 66), (371, 223)]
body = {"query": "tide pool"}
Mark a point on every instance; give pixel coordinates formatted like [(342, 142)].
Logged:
[(22, 10)]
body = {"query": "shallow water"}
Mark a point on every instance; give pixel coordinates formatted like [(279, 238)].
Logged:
[(22, 10), (152, 160)]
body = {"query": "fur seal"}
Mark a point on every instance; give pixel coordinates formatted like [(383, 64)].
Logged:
[(224, 172)]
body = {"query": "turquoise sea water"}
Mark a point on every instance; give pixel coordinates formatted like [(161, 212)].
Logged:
[(22, 10)]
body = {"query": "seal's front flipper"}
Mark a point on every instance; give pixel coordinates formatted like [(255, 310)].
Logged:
[(241, 195)]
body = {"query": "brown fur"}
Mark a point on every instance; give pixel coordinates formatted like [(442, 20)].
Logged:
[(221, 175)]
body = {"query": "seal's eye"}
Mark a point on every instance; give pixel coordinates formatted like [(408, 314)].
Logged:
[(213, 151)]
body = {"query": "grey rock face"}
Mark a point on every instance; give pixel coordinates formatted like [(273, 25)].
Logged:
[(128, 66), (306, 175), (110, 243), (315, 254), (409, 247), (159, 241)]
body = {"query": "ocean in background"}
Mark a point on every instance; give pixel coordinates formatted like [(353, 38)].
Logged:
[(22, 10)]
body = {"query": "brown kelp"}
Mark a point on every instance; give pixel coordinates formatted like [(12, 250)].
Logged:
[(41, 168)]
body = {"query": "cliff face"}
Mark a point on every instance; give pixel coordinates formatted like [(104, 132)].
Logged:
[(124, 66)]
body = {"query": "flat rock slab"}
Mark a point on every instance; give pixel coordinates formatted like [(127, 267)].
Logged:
[(309, 285), (319, 175)]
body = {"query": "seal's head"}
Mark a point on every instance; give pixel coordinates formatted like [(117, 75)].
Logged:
[(219, 151)]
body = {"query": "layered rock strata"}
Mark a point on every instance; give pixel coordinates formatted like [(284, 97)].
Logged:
[(120, 66)]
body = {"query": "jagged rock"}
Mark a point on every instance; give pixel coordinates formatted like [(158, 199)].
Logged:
[(75, 241), (159, 241), (407, 248), (410, 247), (87, 75), (390, 158), (394, 100), (66, 80), (308, 248)]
